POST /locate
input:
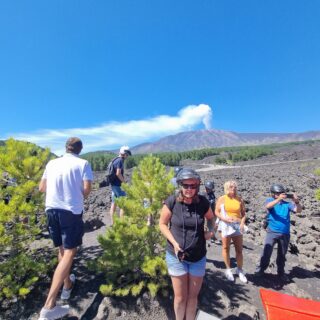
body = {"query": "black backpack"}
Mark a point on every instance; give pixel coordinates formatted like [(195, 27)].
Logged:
[(110, 174)]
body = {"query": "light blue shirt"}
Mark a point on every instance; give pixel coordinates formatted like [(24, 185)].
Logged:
[(279, 216)]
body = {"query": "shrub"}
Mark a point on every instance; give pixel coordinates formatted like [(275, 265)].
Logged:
[(133, 248), (21, 166)]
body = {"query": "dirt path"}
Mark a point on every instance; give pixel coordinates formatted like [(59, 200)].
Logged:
[(212, 167)]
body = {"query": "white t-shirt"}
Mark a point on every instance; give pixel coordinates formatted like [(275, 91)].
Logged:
[(65, 178)]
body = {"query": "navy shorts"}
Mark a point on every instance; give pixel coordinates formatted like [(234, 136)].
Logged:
[(65, 228)]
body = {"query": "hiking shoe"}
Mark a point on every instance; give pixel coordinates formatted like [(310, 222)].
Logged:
[(283, 277), (241, 275), (229, 275), (65, 293), (258, 272), (55, 313)]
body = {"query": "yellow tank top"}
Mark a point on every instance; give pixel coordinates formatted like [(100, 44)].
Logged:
[(232, 207)]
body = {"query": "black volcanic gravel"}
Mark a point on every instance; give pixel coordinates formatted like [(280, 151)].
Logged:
[(293, 167)]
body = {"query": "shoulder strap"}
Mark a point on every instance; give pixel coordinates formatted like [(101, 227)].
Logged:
[(112, 161), (171, 202), (110, 169)]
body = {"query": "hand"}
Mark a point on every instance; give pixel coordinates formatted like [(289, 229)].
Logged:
[(177, 248), (228, 219), (295, 198), (232, 220), (208, 235), (179, 252)]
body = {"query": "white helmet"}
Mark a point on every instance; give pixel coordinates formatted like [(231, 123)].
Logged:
[(125, 150)]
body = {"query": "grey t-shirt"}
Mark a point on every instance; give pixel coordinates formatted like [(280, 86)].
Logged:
[(187, 227)]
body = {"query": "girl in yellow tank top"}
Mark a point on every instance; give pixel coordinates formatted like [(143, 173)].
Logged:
[(232, 207), (235, 213)]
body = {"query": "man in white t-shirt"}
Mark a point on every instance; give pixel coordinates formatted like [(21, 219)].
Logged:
[(66, 181)]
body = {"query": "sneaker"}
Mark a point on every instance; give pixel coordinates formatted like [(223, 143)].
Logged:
[(215, 241), (241, 275), (229, 275), (65, 293), (55, 313)]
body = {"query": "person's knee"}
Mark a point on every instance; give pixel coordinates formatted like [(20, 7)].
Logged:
[(225, 247), (69, 254), (192, 295), (180, 299)]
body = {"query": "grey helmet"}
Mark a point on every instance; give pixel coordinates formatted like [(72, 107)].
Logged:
[(177, 170), (277, 188), (187, 173), (209, 185)]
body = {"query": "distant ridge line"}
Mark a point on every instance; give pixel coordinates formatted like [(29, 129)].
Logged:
[(200, 139)]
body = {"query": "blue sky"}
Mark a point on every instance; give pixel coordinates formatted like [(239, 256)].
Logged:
[(126, 72)]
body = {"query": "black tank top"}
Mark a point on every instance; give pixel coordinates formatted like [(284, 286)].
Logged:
[(187, 227)]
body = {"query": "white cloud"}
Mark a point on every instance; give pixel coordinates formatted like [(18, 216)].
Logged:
[(111, 135)]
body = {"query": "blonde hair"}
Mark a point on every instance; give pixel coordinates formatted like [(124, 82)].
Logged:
[(227, 185)]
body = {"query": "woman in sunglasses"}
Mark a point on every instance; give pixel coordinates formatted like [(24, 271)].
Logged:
[(182, 223), (231, 212)]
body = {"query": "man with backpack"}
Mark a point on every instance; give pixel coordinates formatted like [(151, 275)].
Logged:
[(118, 179)]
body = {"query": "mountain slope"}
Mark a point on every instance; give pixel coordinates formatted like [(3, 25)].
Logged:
[(191, 140)]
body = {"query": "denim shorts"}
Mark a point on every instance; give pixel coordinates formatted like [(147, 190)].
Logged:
[(178, 268), (117, 192), (65, 228)]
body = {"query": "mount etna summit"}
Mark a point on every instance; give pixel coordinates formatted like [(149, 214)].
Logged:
[(199, 139)]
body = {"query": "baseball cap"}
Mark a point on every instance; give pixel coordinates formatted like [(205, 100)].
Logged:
[(125, 150)]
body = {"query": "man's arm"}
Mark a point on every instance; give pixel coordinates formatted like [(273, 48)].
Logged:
[(271, 204), (119, 175), (86, 187), (298, 207), (43, 185)]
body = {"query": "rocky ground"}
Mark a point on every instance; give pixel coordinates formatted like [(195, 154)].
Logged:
[(292, 166)]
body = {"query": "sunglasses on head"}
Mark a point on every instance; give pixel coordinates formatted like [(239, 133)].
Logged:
[(189, 186)]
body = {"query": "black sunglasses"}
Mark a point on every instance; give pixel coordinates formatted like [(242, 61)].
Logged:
[(189, 186)]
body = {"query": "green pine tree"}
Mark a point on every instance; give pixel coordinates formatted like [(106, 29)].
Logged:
[(21, 166), (133, 248)]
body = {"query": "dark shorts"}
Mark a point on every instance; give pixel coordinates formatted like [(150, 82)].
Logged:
[(117, 192), (65, 228)]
